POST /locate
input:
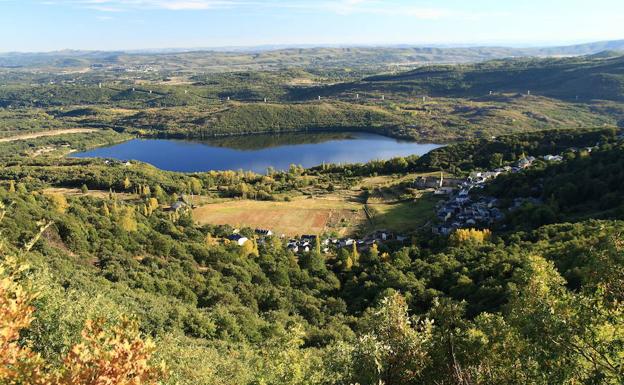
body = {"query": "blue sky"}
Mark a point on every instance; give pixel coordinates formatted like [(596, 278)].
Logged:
[(47, 25)]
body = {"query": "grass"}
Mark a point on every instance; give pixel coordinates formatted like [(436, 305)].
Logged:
[(405, 216), (339, 213), (300, 216), (100, 194), (389, 180)]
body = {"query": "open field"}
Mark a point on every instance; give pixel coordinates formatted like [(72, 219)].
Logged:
[(101, 194), (402, 217), (337, 214), (301, 216), (389, 180), (47, 133)]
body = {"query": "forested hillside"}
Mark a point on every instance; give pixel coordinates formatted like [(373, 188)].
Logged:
[(531, 302), (438, 103), (573, 79), (110, 267)]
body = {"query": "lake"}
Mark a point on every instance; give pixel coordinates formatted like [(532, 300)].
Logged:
[(259, 152)]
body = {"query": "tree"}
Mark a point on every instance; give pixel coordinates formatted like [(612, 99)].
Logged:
[(210, 241), (243, 189), (355, 255), (248, 248), (152, 205), (374, 251), (496, 160), (127, 219), (317, 245), (470, 235), (159, 194), (396, 348), (59, 202), (195, 186), (126, 184), (399, 164), (11, 186), (105, 211), (314, 262), (344, 259), (570, 337), (117, 355), (84, 189), (18, 364), (146, 191)]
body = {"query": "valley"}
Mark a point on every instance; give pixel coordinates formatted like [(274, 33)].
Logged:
[(320, 216)]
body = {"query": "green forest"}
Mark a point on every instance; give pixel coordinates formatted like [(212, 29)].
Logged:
[(104, 281)]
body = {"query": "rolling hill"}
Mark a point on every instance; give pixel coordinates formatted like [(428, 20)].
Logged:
[(228, 59), (582, 78)]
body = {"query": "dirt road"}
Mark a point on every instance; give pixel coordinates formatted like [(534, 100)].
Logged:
[(34, 135)]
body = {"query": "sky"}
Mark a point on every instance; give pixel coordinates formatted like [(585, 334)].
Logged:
[(50, 25)]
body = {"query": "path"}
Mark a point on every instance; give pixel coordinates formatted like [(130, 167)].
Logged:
[(34, 135)]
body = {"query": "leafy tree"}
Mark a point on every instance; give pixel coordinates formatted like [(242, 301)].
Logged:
[(59, 202), (105, 211), (159, 194), (18, 364), (396, 349), (470, 235), (248, 248), (127, 219), (126, 184), (152, 205), (117, 356), (195, 186)]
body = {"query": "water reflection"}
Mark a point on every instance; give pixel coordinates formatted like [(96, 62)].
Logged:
[(258, 152)]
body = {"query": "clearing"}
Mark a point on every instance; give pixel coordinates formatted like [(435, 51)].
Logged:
[(402, 217), (34, 135), (300, 216), (101, 194), (339, 213)]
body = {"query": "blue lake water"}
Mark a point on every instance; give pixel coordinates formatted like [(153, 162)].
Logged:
[(259, 152)]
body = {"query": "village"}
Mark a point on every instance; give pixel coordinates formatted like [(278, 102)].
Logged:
[(460, 209), (463, 210), (307, 243)]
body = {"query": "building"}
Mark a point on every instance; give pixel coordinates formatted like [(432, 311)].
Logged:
[(263, 232), (179, 206), (553, 158), (239, 239)]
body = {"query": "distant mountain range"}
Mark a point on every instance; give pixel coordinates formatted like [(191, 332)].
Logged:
[(269, 58)]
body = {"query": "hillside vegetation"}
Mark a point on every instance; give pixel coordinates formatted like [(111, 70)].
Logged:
[(529, 303), (220, 60), (433, 103), (572, 79)]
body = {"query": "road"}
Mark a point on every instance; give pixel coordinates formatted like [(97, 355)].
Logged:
[(34, 135)]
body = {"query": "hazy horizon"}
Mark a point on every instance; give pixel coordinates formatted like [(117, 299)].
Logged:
[(270, 47)]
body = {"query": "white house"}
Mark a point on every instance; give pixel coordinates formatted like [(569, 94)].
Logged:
[(239, 239)]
